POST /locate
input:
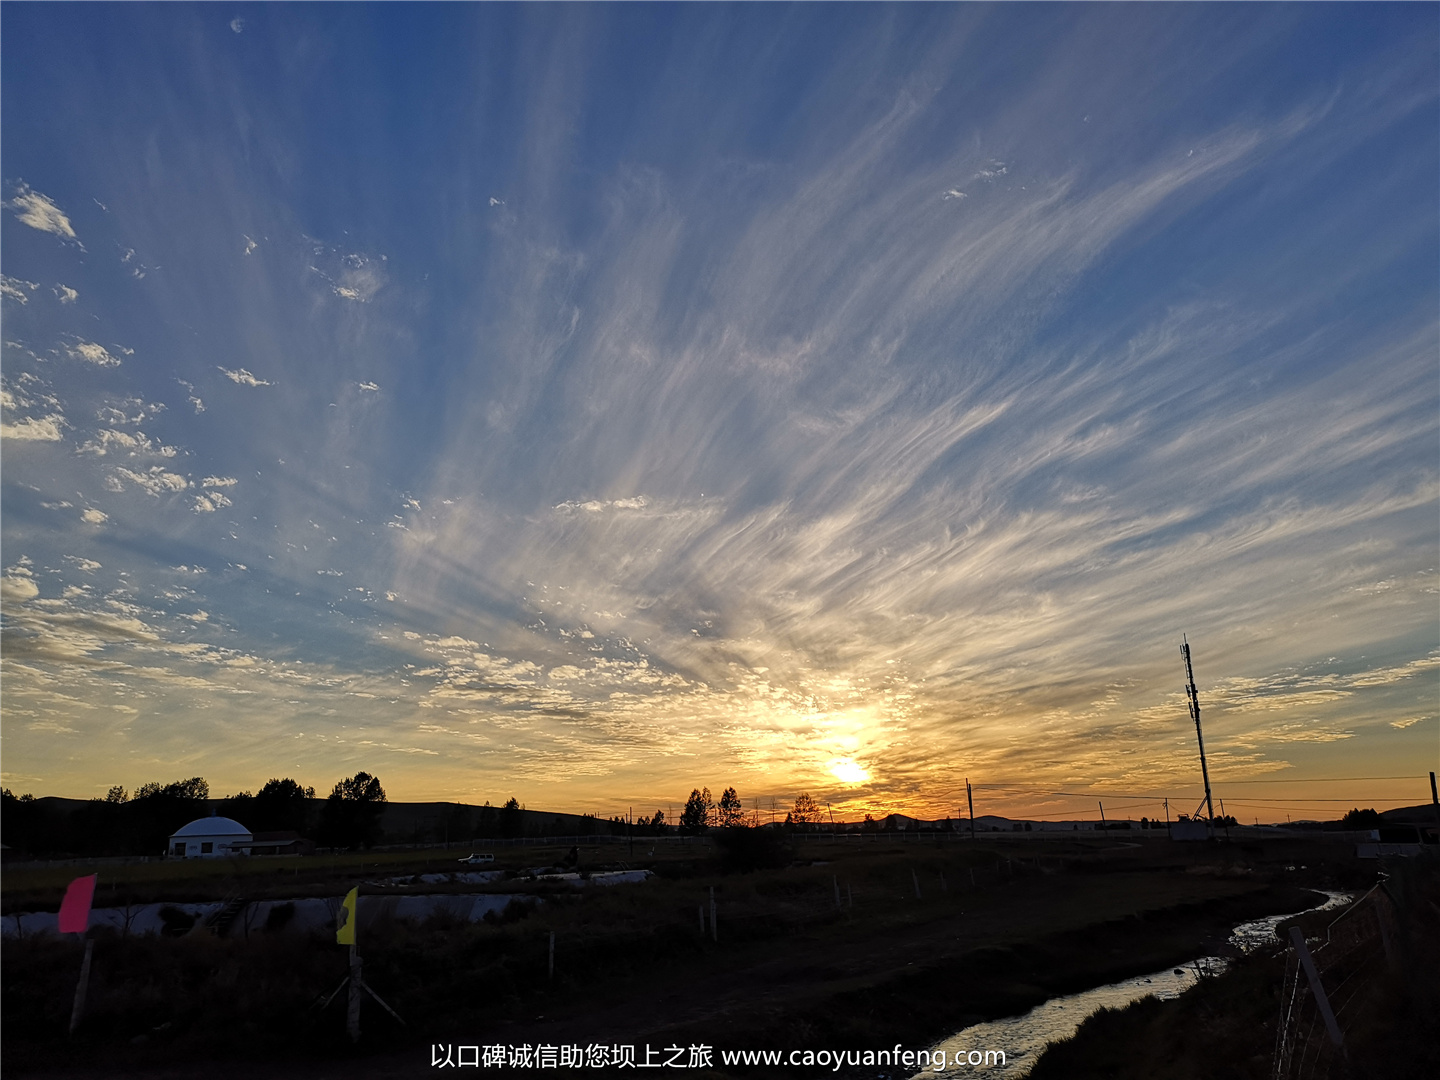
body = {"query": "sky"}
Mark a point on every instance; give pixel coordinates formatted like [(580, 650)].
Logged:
[(592, 403)]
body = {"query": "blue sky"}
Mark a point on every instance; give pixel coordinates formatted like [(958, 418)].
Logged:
[(589, 403)]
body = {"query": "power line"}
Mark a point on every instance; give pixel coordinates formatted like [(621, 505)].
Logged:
[(1093, 792), (1075, 794), (1322, 780), (1351, 801)]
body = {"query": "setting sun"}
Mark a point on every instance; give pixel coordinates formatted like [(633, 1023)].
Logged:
[(849, 771)]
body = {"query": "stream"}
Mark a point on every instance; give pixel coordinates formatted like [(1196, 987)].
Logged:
[(1024, 1038)]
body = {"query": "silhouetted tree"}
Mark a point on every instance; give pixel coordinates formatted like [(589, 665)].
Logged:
[(698, 810), (731, 814), (193, 790), (157, 810), (351, 815), (805, 811), (24, 824), (281, 806), (511, 818), (1361, 819)]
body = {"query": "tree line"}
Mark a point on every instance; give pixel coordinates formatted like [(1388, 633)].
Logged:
[(141, 823), (702, 811)]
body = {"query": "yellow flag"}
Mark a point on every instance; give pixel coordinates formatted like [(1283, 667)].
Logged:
[(345, 930)]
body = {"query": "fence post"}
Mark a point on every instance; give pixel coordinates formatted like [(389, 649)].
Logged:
[(1297, 938), (1385, 936), (78, 1008), (916, 878), (352, 1010)]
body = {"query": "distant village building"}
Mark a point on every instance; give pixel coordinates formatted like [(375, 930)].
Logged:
[(210, 838), (1187, 829), (281, 843)]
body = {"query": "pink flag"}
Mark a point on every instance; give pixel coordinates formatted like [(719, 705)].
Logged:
[(75, 908)]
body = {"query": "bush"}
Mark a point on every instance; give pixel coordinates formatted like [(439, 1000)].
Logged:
[(743, 849)]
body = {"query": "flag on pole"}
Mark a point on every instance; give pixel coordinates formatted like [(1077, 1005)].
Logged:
[(75, 908), (345, 929)]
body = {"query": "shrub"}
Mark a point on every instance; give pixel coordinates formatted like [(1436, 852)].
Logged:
[(742, 849)]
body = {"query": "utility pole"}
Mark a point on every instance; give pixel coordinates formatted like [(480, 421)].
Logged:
[(1102, 812), (970, 802), (1435, 804), (1194, 698)]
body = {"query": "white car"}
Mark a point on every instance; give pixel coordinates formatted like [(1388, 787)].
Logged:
[(475, 860)]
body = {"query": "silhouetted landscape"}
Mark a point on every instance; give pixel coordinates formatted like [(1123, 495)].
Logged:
[(817, 937)]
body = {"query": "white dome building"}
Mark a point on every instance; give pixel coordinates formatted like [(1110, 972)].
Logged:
[(210, 838)]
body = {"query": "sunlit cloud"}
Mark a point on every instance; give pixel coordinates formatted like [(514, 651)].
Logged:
[(40, 212), (154, 481), (91, 353), (15, 289), (34, 429), (210, 501), (240, 378)]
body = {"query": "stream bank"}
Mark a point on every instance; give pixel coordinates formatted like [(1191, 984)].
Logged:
[(1226, 1026), (922, 1007)]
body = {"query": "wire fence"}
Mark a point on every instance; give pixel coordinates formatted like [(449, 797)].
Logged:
[(1327, 981), (713, 919)]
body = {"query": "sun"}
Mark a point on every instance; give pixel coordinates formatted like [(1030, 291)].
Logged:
[(849, 771)]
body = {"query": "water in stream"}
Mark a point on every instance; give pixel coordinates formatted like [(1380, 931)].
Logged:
[(1024, 1038)]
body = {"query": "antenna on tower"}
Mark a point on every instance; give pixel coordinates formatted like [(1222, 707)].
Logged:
[(1194, 699)]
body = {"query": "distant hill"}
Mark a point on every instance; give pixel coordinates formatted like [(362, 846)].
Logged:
[(401, 819), (1423, 814), (433, 822)]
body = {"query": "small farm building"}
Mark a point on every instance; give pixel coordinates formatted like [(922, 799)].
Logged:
[(210, 838)]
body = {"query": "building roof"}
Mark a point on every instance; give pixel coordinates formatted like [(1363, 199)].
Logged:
[(213, 826)]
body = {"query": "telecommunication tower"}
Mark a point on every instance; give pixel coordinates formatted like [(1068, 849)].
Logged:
[(1194, 699)]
